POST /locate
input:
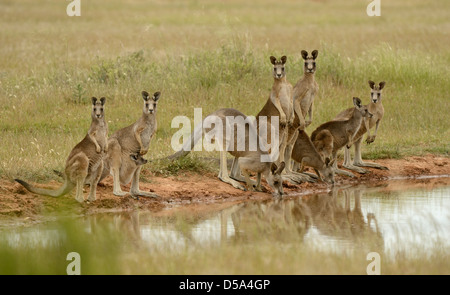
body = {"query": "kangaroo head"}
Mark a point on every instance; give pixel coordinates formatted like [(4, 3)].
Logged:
[(97, 107), (275, 180), (310, 61), (327, 171), (150, 102), (278, 66), (324, 148), (363, 109), (138, 159), (375, 92)]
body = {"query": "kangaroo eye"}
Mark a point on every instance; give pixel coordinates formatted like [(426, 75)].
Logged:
[(379, 94), (282, 69), (101, 109), (314, 64)]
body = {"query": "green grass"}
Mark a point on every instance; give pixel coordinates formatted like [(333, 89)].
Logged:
[(213, 54)]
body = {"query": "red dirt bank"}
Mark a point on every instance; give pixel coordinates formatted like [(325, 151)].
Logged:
[(194, 189)]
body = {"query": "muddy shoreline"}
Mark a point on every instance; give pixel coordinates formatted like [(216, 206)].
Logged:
[(202, 192)]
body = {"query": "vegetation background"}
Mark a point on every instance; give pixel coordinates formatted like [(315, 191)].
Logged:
[(213, 54)]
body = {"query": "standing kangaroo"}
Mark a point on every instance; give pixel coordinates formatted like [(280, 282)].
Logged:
[(376, 108), (344, 132), (134, 139), (303, 99), (279, 105), (237, 144), (85, 161), (305, 153), (306, 88)]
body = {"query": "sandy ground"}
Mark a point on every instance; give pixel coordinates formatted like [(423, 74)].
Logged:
[(194, 191)]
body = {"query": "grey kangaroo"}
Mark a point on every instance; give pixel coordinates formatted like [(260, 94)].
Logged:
[(85, 161), (376, 108), (238, 146), (133, 139), (344, 132), (305, 153)]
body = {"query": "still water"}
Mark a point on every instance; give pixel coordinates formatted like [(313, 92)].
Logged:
[(399, 216)]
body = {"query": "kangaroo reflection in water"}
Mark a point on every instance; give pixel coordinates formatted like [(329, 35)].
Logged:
[(334, 217), (275, 220), (331, 214)]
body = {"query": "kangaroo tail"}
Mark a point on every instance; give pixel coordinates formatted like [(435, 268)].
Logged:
[(64, 189), (189, 145)]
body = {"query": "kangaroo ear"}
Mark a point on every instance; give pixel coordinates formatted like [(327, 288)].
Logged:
[(102, 100), (283, 59), (357, 102), (315, 53), (145, 95), (156, 96), (382, 85), (273, 168), (281, 168), (273, 60), (304, 54), (94, 100), (371, 84)]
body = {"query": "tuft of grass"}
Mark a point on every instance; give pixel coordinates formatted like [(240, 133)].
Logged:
[(185, 164)]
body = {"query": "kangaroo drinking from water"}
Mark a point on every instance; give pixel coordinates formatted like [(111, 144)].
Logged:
[(305, 153), (134, 139), (238, 145), (376, 108), (85, 161), (344, 132)]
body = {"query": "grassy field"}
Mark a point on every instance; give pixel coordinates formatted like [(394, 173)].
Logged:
[(213, 54)]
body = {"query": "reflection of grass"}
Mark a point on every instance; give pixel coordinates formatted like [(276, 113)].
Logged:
[(213, 54), (112, 248)]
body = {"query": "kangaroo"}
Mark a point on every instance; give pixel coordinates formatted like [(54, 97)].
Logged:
[(306, 88), (303, 98), (305, 153), (133, 139), (239, 147), (343, 132), (85, 161), (138, 159), (376, 108), (323, 142), (279, 105)]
